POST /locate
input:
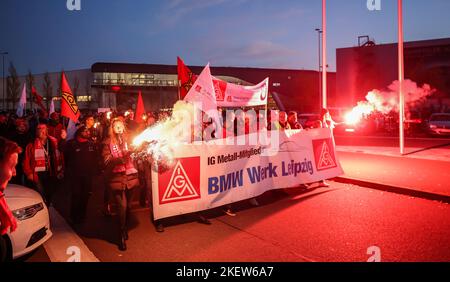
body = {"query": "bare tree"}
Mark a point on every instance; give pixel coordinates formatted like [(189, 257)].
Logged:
[(59, 84), (13, 85), (88, 91), (47, 87), (76, 86), (30, 84)]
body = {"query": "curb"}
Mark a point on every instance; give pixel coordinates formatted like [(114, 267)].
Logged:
[(394, 189)]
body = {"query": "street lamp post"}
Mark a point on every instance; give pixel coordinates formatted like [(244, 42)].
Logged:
[(401, 77), (3, 77), (324, 54), (319, 32)]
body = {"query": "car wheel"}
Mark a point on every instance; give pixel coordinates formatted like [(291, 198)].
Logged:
[(5, 252)]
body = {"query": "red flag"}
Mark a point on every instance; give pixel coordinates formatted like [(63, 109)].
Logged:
[(140, 110), (185, 77), (37, 98), (69, 107)]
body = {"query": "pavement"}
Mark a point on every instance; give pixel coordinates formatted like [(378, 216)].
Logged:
[(421, 172)]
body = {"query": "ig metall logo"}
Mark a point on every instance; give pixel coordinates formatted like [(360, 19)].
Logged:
[(374, 5), (73, 5)]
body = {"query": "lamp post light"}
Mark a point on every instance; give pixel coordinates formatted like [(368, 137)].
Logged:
[(3, 77)]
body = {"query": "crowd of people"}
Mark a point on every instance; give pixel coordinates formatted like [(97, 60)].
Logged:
[(99, 152)]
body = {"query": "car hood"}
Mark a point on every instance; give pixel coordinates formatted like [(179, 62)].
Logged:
[(439, 123), (18, 196)]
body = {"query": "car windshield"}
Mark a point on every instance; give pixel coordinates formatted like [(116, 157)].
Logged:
[(440, 118)]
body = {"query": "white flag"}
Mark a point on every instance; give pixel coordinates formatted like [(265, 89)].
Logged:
[(22, 102), (202, 92), (52, 107), (71, 130)]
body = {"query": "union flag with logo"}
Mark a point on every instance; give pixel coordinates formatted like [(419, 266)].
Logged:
[(180, 183), (69, 107), (186, 78), (324, 154), (227, 94)]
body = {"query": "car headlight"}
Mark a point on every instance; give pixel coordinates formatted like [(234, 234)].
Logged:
[(27, 212)]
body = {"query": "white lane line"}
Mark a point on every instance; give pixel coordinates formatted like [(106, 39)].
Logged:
[(65, 245)]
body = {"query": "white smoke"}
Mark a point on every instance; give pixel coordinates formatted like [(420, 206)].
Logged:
[(386, 101)]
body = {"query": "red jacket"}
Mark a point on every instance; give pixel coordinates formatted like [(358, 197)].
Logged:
[(56, 163), (7, 220), (55, 131)]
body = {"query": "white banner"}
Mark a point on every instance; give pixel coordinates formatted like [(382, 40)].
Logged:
[(206, 175), (233, 95)]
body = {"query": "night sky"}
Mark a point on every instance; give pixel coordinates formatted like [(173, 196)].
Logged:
[(44, 36)]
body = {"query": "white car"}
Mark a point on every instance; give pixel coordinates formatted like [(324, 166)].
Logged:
[(439, 124), (33, 223)]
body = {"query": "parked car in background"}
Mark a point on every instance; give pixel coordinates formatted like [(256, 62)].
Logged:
[(439, 124), (308, 120), (33, 223)]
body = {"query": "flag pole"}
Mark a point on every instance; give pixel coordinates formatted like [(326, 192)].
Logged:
[(401, 77), (179, 91)]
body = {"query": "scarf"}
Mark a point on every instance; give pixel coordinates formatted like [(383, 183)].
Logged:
[(117, 152), (40, 156)]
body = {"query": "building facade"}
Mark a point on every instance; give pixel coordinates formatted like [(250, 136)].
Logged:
[(116, 86), (362, 69), (120, 83)]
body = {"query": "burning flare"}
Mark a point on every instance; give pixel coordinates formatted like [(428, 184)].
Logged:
[(157, 143), (387, 101)]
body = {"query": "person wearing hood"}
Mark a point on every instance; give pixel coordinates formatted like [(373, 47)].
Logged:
[(55, 126), (81, 159)]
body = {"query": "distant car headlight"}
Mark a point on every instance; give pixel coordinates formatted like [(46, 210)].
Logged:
[(432, 126), (27, 212)]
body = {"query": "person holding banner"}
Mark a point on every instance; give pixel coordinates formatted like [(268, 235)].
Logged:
[(293, 120), (121, 177), (282, 123), (327, 122)]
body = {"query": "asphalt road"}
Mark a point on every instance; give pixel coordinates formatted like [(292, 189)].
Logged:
[(338, 223)]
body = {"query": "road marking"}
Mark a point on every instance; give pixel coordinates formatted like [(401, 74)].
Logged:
[(63, 239)]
